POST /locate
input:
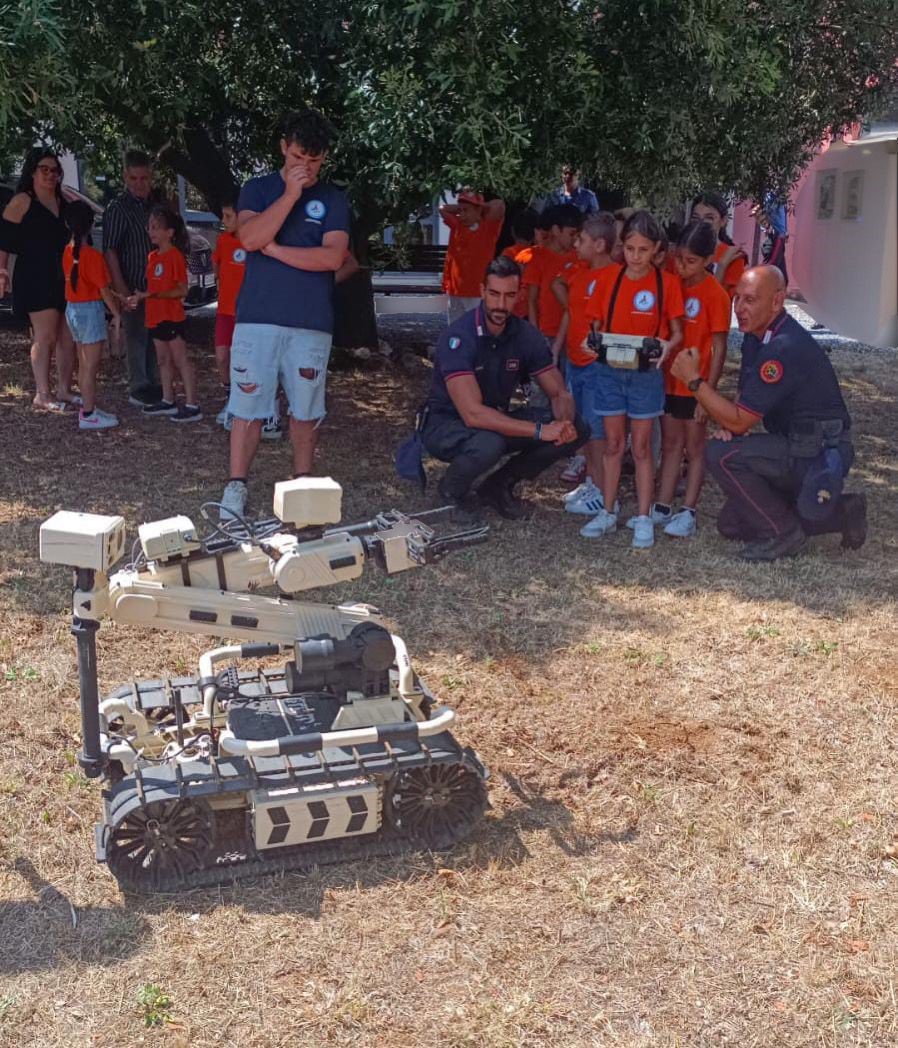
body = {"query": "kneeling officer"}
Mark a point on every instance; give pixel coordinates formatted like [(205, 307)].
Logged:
[(785, 484), (479, 362)]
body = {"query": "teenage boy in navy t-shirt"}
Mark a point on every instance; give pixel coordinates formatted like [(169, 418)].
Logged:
[(295, 230)]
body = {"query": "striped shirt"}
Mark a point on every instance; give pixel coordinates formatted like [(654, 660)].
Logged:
[(125, 231)]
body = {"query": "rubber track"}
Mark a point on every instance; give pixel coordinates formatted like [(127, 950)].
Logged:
[(305, 857)]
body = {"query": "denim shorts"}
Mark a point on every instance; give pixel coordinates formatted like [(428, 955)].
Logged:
[(87, 321), (264, 355), (636, 394), (582, 382)]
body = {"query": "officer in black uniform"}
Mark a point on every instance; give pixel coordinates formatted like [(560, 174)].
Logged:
[(479, 362), (786, 483)]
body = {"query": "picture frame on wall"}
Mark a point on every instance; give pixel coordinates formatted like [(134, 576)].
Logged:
[(826, 194), (852, 195)]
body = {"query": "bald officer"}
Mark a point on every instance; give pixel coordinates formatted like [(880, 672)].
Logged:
[(784, 482)]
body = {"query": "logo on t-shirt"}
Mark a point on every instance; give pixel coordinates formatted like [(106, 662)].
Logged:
[(643, 301), (157, 269), (590, 287), (316, 210), (693, 308), (240, 255), (771, 371), (454, 342)]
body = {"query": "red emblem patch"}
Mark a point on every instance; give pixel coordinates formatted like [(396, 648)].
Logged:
[(771, 371)]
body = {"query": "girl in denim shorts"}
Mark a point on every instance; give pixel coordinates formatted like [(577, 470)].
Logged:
[(634, 299), (88, 294)]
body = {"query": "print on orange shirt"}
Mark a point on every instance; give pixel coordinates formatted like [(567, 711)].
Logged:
[(707, 312), (523, 255), (93, 274), (230, 257), (165, 270), (470, 251), (544, 268), (636, 306), (734, 270)]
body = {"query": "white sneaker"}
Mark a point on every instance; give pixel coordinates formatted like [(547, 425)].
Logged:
[(656, 517), (603, 523), (681, 525), (271, 429), (98, 420), (575, 469), (586, 488), (643, 533), (234, 498), (222, 417)]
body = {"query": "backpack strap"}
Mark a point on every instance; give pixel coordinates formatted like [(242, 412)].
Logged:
[(613, 300), (659, 298)]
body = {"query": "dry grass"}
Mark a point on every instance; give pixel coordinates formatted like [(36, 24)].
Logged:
[(693, 833)]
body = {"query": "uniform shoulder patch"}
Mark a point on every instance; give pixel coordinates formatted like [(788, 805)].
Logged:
[(454, 342), (771, 371)]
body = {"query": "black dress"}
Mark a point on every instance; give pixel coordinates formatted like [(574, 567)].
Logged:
[(38, 242)]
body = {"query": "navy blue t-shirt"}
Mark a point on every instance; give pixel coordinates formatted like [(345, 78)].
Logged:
[(274, 293), (498, 362), (787, 377)]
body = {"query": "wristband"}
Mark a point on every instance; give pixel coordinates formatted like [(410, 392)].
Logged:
[(538, 434)]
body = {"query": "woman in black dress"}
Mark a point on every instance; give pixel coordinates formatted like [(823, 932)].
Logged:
[(32, 229)]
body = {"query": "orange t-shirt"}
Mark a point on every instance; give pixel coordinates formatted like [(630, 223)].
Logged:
[(543, 269), (470, 251), (581, 282), (165, 270), (93, 274), (523, 255), (734, 270), (707, 312), (230, 257), (636, 306)]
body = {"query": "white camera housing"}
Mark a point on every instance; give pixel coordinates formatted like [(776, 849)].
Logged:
[(82, 540), (173, 537), (308, 501)]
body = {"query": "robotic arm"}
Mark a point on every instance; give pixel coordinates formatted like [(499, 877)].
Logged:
[(181, 583)]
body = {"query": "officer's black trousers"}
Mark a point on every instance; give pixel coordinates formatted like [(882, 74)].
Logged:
[(761, 482), (473, 452)]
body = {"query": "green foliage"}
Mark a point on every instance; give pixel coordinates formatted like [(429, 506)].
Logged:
[(659, 97), (33, 73), (154, 1004)]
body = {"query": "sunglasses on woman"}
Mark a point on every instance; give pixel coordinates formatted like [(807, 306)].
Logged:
[(48, 170)]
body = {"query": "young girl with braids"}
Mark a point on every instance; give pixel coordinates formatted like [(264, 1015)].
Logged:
[(164, 312), (88, 287)]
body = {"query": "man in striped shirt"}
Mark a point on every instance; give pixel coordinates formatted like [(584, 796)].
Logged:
[(126, 244)]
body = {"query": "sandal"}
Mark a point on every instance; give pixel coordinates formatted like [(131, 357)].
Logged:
[(50, 407)]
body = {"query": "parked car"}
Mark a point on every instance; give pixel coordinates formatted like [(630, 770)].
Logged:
[(201, 286)]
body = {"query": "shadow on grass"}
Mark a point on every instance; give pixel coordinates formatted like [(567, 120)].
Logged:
[(45, 930)]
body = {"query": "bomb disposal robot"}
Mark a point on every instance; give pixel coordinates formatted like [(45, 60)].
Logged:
[(340, 754)]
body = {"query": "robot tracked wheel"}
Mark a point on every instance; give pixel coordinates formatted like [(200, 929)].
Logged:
[(342, 753)]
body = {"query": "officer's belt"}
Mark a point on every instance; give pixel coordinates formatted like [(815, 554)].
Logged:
[(808, 436)]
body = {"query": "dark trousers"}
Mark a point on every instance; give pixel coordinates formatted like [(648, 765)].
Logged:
[(140, 353), (761, 481), (473, 452)]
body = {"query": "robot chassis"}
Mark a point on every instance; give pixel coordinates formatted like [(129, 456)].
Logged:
[(341, 754)]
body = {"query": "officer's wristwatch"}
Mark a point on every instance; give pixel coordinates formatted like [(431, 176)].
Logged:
[(694, 384)]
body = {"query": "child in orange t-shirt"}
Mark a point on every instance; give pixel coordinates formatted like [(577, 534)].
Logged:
[(636, 299), (164, 312), (729, 262), (706, 326), (229, 263), (88, 286), (523, 227), (573, 288), (562, 223), (474, 227)]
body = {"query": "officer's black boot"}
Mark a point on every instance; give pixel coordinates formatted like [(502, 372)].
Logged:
[(499, 494), (787, 544), (465, 508), (854, 521)]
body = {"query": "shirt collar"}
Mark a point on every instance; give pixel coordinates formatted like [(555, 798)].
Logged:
[(773, 328)]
